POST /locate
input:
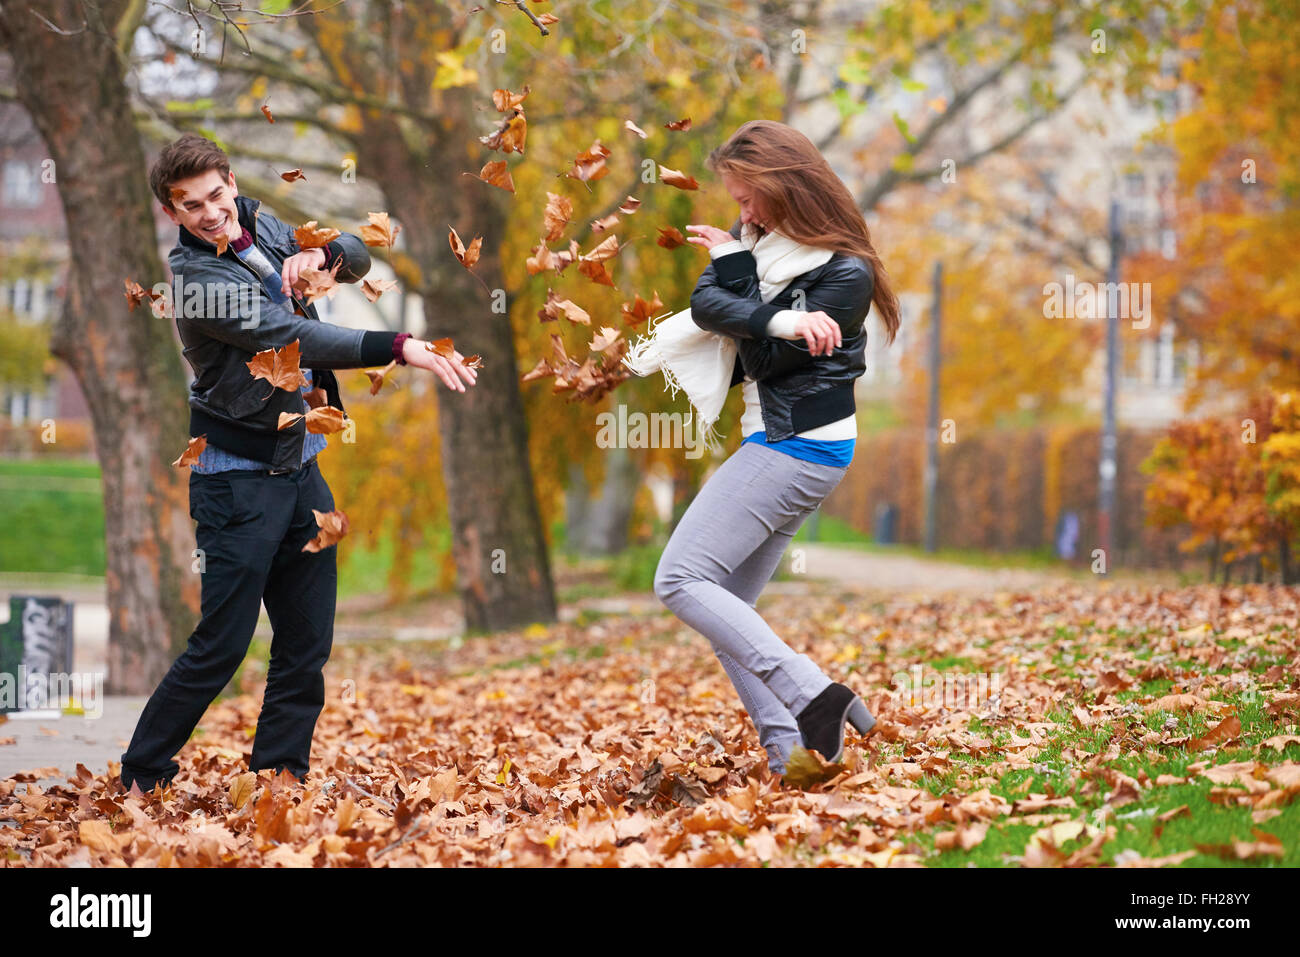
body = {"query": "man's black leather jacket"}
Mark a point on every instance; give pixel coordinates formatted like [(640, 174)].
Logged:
[(797, 391), (233, 317)]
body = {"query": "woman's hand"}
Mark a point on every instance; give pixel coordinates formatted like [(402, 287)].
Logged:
[(417, 353), (822, 333), (709, 236)]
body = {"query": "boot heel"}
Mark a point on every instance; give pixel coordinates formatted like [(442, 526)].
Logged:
[(860, 717)]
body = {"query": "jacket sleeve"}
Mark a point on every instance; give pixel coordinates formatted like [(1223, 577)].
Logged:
[(355, 256), (246, 317), (843, 293)]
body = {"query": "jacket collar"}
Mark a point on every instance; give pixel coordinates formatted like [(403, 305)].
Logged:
[(247, 209)]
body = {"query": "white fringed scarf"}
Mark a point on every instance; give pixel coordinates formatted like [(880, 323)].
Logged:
[(700, 362)]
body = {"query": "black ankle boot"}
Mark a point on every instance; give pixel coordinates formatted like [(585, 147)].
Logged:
[(821, 723)]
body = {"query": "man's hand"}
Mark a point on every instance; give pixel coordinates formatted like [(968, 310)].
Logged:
[(821, 332), (315, 258), (417, 353), (709, 236)]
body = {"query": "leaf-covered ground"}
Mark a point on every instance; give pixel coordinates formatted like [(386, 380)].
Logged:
[(1133, 727)]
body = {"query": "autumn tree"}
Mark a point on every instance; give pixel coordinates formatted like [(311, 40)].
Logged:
[(69, 66)]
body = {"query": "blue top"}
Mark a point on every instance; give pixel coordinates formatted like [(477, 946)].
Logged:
[(828, 452), (213, 459)]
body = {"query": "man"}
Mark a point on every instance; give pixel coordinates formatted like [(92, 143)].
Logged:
[(254, 486)]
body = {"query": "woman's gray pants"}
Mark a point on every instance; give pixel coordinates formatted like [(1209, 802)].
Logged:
[(723, 551)]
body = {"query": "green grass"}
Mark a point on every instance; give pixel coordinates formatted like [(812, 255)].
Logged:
[(53, 517)]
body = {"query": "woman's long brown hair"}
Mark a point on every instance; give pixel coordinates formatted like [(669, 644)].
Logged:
[(804, 199)]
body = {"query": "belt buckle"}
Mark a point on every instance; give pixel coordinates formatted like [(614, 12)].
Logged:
[(279, 471)]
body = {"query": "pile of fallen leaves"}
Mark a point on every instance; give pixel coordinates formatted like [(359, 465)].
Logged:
[(621, 742)]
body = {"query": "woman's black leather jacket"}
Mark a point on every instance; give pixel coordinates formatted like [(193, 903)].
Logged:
[(797, 391)]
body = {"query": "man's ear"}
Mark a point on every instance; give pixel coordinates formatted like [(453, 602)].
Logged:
[(234, 190), (171, 214)]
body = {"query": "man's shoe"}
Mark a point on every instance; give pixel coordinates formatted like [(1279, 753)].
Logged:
[(821, 723)]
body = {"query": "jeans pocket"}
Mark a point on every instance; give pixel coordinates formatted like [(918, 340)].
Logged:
[(212, 500)]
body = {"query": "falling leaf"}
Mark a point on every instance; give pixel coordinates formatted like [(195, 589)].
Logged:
[(136, 294), (673, 177), (377, 378), (325, 420), (192, 452), (497, 173), (466, 257), (596, 272), (333, 526), (608, 222), (554, 308), (379, 231), (607, 337), (279, 367), (558, 212), (630, 206), (310, 236), (589, 165), (293, 175), (671, 237), (473, 362), (509, 136), (313, 283), (683, 124), (505, 101), (374, 288), (640, 310), (629, 125), (266, 111)]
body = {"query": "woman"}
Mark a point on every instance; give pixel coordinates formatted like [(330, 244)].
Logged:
[(799, 349)]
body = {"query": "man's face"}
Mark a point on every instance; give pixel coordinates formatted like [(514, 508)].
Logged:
[(205, 205), (751, 210)]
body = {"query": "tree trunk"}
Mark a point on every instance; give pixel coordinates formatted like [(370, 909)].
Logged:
[(608, 516), (126, 361)]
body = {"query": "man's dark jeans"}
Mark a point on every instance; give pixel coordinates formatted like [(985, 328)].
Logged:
[(251, 530)]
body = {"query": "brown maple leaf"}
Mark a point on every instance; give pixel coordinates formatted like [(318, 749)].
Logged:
[(192, 452), (504, 100), (442, 347), (379, 231), (671, 237), (310, 236), (509, 137), (558, 212), (279, 367), (293, 175), (372, 289), (683, 124), (632, 127), (630, 205), (640, 310), (322, 420), (333, 526), (266, 111), (377, 378), (466, 257), (673, 177), (589, 165), (496, 173)]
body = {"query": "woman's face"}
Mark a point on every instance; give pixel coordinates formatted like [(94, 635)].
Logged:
[(751, 209)]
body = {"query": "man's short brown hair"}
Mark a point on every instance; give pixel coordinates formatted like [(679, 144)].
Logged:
[(191, 155)]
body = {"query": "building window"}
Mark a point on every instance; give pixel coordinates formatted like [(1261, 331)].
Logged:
[(22, 187)]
